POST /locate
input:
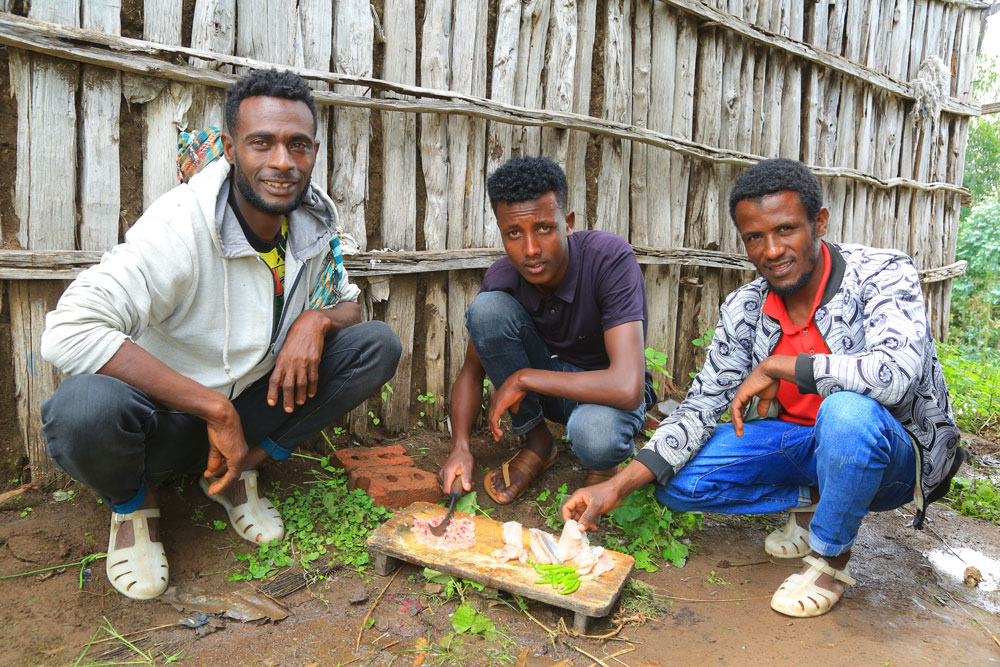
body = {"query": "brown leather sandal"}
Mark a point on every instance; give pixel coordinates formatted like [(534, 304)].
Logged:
[(524, 461), (598, 476)]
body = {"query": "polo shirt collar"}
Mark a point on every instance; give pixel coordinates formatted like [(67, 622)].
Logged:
[(566, 290), (774, 305)]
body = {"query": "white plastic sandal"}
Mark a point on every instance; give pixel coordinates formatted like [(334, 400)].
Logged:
[(799, 595), (791, 540), (139, 571), (256, 519)]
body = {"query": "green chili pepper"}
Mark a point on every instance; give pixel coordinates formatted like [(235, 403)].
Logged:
[(575, 584)]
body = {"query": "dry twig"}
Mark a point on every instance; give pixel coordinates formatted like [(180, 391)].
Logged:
[(361, 630), (592, 657)]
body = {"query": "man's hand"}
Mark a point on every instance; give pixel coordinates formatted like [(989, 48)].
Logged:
[(762, 382), (590, 502), (296, 371), (227, 448), (459, 464), (507, 397)]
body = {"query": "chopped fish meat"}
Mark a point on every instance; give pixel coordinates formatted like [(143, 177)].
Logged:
[(460, 534)]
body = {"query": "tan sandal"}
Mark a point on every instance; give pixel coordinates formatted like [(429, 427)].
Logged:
[(138, 571), (524, 461), (255, 518), (791, 540), (800, 596)]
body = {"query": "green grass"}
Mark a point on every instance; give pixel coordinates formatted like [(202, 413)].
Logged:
[(324, 523), (976, 498), (973, 379)]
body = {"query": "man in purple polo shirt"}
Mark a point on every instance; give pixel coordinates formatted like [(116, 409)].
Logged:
[(559, 327)]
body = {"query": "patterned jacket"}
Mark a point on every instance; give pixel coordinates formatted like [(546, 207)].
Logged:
[(873, 320)]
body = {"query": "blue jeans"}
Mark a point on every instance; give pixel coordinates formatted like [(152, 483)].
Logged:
[(857, 454), (506, 341), (114, 438)]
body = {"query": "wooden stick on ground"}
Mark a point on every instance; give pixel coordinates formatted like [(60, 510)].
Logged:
[(361, 630), (594, 658)]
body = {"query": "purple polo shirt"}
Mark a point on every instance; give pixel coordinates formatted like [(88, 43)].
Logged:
[(602, 288)]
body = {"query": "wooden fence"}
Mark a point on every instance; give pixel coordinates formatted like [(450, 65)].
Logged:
[(652, 106)]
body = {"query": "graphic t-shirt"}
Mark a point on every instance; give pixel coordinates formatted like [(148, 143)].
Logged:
[(272, 252)]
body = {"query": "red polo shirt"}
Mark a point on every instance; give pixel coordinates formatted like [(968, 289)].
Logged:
[(796, 339)]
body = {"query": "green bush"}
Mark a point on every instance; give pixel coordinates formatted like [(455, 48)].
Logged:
[(973, 379)]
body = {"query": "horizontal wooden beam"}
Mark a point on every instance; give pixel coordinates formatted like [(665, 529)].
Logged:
[(808, 52), (131, 55), (991, 108), (67, 264)]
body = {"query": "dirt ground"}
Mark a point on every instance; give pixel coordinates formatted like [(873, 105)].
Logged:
[(903, 610)]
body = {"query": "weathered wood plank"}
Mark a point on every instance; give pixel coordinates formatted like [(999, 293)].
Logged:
[(642, 41), (354, 35), (530, 63), (559, 75), (828, 59), (166, 113), (212, 30), (315, 25), (13, 32), (576, 153), (399, 220), (100, 177), (613, 180), (435, 59), (45, 203), (500, 135), (67, 264)]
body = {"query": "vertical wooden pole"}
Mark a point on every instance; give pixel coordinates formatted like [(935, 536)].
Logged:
[(315, 19), (399, 212), (641, 61), (212, 29), (530, 63), (435, 73), (45, 204), (559, 75), (100, 177), (167, 111), (576, 154), (613, 181)]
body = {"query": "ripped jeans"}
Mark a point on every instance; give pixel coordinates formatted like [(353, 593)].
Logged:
[(857, 455)]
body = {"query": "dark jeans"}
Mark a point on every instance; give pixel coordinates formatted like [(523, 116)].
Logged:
[(114, 438), (506, 341)]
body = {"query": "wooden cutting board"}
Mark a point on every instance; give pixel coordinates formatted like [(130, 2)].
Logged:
[(394, 541)]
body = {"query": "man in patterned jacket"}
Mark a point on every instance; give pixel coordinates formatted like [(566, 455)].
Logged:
[(828, 369)]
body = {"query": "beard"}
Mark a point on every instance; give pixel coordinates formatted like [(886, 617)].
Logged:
[(806, 276), (257, 202)]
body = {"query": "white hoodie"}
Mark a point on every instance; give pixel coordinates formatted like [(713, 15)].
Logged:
[(188, 288)]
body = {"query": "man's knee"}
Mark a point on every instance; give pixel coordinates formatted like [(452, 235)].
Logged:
[(490, 313), (385, 347), (597, 437), (846, 420), (82, 410)]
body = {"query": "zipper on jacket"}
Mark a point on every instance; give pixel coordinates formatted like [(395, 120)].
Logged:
[(284, 311)]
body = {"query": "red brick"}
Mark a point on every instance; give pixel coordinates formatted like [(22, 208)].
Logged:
[(367, 457), (396, 486)]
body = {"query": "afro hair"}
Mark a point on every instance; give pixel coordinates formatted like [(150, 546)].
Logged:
[(267, 83), (525, 179), (778, 175)]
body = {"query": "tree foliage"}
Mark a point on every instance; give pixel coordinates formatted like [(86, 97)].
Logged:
[(976, 294), (982, 155)]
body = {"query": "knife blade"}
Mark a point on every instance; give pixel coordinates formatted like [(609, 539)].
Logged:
[(456, 493)]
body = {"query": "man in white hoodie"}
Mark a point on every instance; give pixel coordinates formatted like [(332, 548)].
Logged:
[(223, 331)]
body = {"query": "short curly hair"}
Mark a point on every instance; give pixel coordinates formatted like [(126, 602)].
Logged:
[(778, 175), (526, 179), (267, 83)]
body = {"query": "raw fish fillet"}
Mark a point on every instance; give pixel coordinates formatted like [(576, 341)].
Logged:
[(604, 564), (587, 559), (543, 546), (513, 548), (571, 542)]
